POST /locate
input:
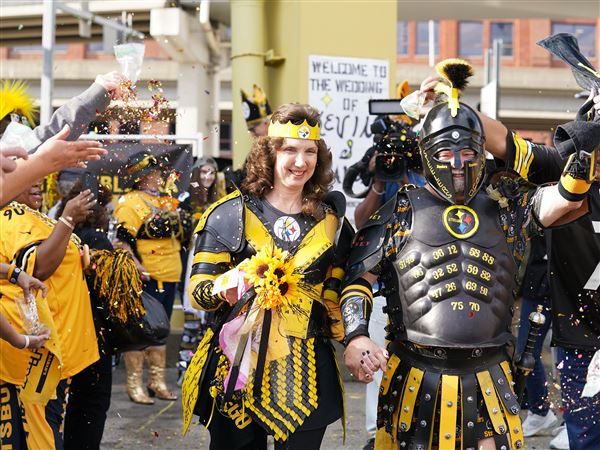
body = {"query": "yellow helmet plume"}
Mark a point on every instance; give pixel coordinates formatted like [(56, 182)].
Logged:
[(456, 73), (14, 97)]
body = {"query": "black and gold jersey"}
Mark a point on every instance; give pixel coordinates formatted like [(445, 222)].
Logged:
[(573, 251), (67, 308), (156, 227)]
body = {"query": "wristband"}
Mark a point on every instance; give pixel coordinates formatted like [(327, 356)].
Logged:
[(26, 342), (67, 223), (376, 191), (13, 275)]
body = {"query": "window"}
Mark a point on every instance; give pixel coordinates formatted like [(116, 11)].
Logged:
[(504, 31), (585, 34), (470, 38), (402, 37), (95, 47), (225, 136), (422, 47)]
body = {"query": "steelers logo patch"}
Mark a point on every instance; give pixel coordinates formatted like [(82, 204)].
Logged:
[(460, 221), (287, 229), (303, 132)]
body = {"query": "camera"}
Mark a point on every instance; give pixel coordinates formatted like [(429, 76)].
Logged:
[(394, 143)]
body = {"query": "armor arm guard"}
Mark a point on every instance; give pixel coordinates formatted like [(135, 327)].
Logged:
[(210, 260), (577, 176), (220, 234), (367, 247), (356, 306), (333, 282)]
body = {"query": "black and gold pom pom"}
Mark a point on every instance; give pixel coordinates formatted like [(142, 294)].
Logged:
[(456, 73)]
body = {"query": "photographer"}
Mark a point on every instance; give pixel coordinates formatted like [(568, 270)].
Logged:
[(393, 161)]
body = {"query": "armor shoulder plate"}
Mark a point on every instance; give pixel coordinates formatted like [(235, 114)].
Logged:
[(366, 248), (224, 219)]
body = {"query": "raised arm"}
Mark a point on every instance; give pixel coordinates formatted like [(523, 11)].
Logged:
[(78, 112)]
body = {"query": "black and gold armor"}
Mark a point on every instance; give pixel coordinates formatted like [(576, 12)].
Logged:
[(449, 276), (302, 388)]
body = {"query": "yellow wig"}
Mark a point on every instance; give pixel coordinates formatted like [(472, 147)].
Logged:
[(14, 98)]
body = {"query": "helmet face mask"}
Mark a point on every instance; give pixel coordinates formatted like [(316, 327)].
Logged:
[(442, 132)]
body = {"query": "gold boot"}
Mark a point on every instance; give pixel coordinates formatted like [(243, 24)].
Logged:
[(134, 363), (157, 359)]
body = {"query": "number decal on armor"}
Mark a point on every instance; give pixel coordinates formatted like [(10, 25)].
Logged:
[(438, 273), (457, 306), (473, 270), (452, 249), (474, 252), (436, 293), (418, 273), (407, 262), (487, 258), (450, 287), (452, 268), (485, 275), (474, 306), (439, 253), (471, 286)]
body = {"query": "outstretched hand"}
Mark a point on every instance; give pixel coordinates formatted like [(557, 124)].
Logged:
[(59, 153), (7, 158), (112, 82), (428, 86)]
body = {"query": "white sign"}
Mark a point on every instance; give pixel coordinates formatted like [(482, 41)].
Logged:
[(341, 88)]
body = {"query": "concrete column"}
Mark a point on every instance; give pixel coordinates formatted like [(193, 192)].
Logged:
[(194, 103), (248, 44)]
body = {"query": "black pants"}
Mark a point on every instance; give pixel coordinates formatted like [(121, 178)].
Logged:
[(224, 435), (89, 400)]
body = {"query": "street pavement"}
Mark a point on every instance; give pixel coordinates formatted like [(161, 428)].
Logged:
[(159, 426)]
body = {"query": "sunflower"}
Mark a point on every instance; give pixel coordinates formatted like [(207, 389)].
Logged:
[(272, 273)]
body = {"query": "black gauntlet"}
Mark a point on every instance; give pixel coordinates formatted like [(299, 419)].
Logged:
[(356, 306), (203, 296)]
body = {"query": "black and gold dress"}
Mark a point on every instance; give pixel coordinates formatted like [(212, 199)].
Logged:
[(301, 390)]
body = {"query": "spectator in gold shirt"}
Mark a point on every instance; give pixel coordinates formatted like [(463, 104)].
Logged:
[(149, 227)]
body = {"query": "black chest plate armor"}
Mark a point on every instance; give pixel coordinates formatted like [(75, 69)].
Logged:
[(452, 290)]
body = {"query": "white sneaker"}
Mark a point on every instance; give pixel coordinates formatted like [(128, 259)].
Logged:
[(561, 441), (535, 423)]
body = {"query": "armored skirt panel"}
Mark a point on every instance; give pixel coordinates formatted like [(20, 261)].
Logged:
[(448, 399), (454, 278)]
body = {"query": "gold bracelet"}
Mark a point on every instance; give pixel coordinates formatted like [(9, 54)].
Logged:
[(67, 223)]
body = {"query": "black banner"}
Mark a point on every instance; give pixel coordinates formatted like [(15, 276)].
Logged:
[(176, 159)]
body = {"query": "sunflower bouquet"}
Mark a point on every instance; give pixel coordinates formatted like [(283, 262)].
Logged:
[(272, 274), (279, 289)]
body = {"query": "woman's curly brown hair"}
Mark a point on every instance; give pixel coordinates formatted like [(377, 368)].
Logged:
[(260, 163)]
